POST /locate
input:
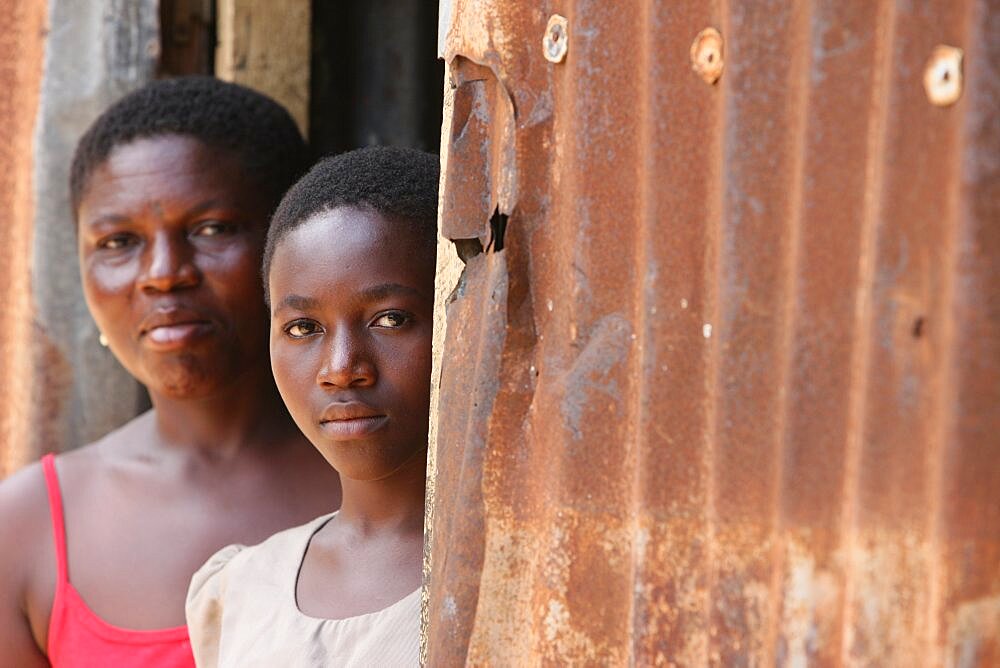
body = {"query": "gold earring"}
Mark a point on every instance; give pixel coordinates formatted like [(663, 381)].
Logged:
[(103, 340)]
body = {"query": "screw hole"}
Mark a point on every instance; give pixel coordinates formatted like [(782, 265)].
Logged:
[(918, 328), (711, 57), (946, 76)]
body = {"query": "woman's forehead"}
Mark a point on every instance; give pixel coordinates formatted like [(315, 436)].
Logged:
[(164, 169), (161, 151)]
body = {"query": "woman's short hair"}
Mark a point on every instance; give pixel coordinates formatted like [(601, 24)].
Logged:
[(258, 130)]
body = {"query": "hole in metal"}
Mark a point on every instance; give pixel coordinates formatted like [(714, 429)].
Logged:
[(467, 248), (498, 228)]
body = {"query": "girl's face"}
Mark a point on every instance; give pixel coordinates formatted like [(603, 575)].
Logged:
[(351, 322), (171, 233)]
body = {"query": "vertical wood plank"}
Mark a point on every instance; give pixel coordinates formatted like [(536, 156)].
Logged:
[(265, 45)]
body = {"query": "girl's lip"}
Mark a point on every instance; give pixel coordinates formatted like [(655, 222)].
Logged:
[(353, 428)]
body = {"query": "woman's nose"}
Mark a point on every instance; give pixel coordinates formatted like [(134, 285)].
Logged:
[(347, 362), (168, 265)]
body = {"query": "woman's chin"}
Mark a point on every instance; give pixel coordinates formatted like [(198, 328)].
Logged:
[(198, 371), (189, 378), (187, 386)]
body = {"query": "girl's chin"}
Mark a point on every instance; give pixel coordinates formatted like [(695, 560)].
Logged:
[(362, 461)]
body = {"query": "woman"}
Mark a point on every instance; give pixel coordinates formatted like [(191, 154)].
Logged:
[(172, 190)]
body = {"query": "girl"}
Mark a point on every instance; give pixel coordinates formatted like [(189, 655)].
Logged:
[(349, 268)]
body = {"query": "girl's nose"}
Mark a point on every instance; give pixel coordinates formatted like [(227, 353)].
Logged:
[(347, 363)]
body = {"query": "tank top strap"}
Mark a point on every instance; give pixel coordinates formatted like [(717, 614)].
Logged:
[(56, 510)]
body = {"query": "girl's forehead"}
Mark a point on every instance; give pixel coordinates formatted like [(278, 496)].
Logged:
[(347, 249)]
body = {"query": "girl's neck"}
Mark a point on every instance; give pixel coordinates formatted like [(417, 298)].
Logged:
[(394, 503)]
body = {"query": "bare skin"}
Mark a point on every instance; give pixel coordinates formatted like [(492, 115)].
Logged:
[(171, 233), (352, 311)]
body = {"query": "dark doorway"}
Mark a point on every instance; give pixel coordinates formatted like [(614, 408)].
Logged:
[(376, 77)]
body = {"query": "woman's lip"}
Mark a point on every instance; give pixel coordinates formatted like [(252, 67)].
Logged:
[(353, 428), (177, 335)]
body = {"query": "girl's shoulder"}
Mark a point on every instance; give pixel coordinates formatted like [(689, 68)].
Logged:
[(264, 564), (243, 588)]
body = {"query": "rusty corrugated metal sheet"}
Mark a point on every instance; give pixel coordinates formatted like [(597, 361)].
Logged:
[(21, 47), (63, 63), (723, 387)]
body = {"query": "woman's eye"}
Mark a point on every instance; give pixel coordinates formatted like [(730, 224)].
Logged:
[(391, 320), (116, 242), (301, 329), (211, 228)]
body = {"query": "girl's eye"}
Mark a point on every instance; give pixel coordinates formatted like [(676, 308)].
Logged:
[(116, 241), (301, 329), (391, 320), (211, 228)]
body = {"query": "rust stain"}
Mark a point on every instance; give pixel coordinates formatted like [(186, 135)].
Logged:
[(725, 392)]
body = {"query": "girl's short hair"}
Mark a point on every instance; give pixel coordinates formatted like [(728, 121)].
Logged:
[(401, 184)]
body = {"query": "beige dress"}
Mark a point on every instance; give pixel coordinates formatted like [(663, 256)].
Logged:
[(241, 611)]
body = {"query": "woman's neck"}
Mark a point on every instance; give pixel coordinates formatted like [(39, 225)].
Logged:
[(394, 503), (244, 414)]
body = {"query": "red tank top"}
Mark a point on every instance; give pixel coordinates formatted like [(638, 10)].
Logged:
[(79, 638)]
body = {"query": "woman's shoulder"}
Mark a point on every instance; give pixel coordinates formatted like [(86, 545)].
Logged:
[(23, 489), (27, 484), (107, 452), (24, 510), (24, 494), (82, 472)]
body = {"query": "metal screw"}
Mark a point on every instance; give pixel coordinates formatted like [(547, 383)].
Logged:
[(943, 75), (556, 40), (706, 55)]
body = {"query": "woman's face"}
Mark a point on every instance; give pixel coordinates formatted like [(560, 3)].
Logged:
[(352, 300), (171, 233)]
